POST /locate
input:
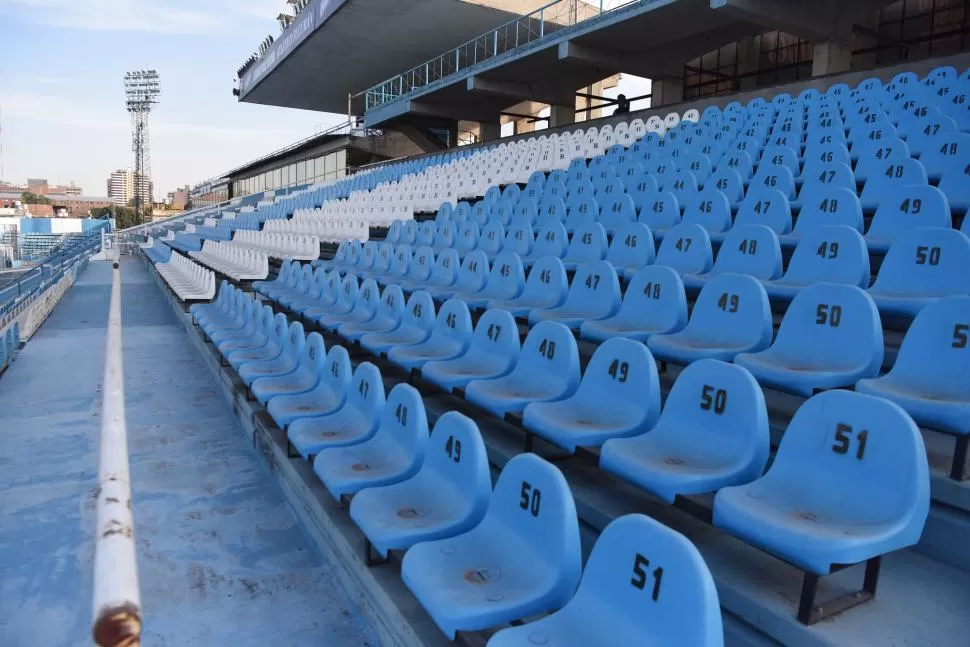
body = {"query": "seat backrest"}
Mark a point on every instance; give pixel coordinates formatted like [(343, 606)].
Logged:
[(401, 260), (314, 355), (457, 454), (711, 395), (752, 250), (655, 295), (904, 208), (492, 236), (453, 321), (420, 311), (496, 335), (467, 236), (623, 373), (946, 151), (532, 501), (632, 246), (550, 241), (588, 243), (549, 352), (658, 209), (865, 445), (421, 264), (935, 352), (294, 341), (710, 209), (392, 302), (830, 324), (653, 577), (349, 290), (687, 249), (405, 421), (548, 276), (370, 295), (337, 370), (732, 308), (446, 267), (728, 181), (830, 254), (426, 233), (927, 260), (829, 205), (890, 177), (473, 272), (507, 275), (446, 234), (765, 206), (595, 289)]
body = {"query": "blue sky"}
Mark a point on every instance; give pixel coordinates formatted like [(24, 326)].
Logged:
[(62, 98)]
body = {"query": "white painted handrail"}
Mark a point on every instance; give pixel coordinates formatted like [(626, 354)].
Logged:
[(117, 603)]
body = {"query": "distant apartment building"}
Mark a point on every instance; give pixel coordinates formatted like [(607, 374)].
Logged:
[(179, 198), (121, 188), (41, 186)]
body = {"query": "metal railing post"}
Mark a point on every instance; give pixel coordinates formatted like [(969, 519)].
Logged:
[(117, 603)]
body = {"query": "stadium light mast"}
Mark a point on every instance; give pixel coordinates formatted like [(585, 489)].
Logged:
[(142, 89)]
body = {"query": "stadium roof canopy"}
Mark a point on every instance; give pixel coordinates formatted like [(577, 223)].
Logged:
[(337, 47)]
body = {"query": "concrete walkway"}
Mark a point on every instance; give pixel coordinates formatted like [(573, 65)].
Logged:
[(222, 559)]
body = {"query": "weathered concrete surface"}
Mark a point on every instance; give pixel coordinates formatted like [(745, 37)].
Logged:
[(222, 559)]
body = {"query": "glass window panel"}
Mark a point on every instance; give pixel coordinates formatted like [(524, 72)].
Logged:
[(331, 164), (300, 172), (341, 160)]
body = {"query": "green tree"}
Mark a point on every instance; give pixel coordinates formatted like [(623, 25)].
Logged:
[(32, 198)]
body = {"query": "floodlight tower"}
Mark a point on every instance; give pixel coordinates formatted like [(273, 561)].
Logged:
[(142, 90)]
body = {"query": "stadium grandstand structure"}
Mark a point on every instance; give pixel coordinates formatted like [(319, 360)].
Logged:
[(690, 348)]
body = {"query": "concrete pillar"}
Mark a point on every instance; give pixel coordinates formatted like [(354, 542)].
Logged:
[(666, 92), (831, 57), (748, 62), (489, 131), (522, 126), (561, 116)]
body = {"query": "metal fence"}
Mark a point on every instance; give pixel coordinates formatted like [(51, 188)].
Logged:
[(505, 38)]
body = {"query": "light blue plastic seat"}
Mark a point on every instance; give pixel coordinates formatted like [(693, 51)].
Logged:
[(362, 310), (618, 396), (728, 181), (923, 265), (256, 335), (903, 209), (588, 244), (419, 269), (731, 315), (831, 336), (658, 210), (519, 238), (329, 294), (416, 322), (550, 241), (888, 181), (526, 211), (581, 209), (301, 379), (632, 248), (445, 237), (326, 396), (409, 231), (654, 304), (386, 318), (470, 278), (393, 454), (448, 496), (547, 370), (218, 307), (687, 249), (523, 559), (929, 376), (862, 444), (304, 288), (270, 349), (546, 287), (467, 238), (747, 249), (711, 210), (382, 261), (492, 352), (873, 157), (285, 362), (617, 212), (490, 242), (234, 324), (285, 269), (772, 176), (400, 264), (945, 152), (443, 274), (825, 206), (505, 281), (669, 600), (593, 294), (762, 206), (825, 254), (449, 337), (317, 292), (346, 298), (352, 423), (713, 433)]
